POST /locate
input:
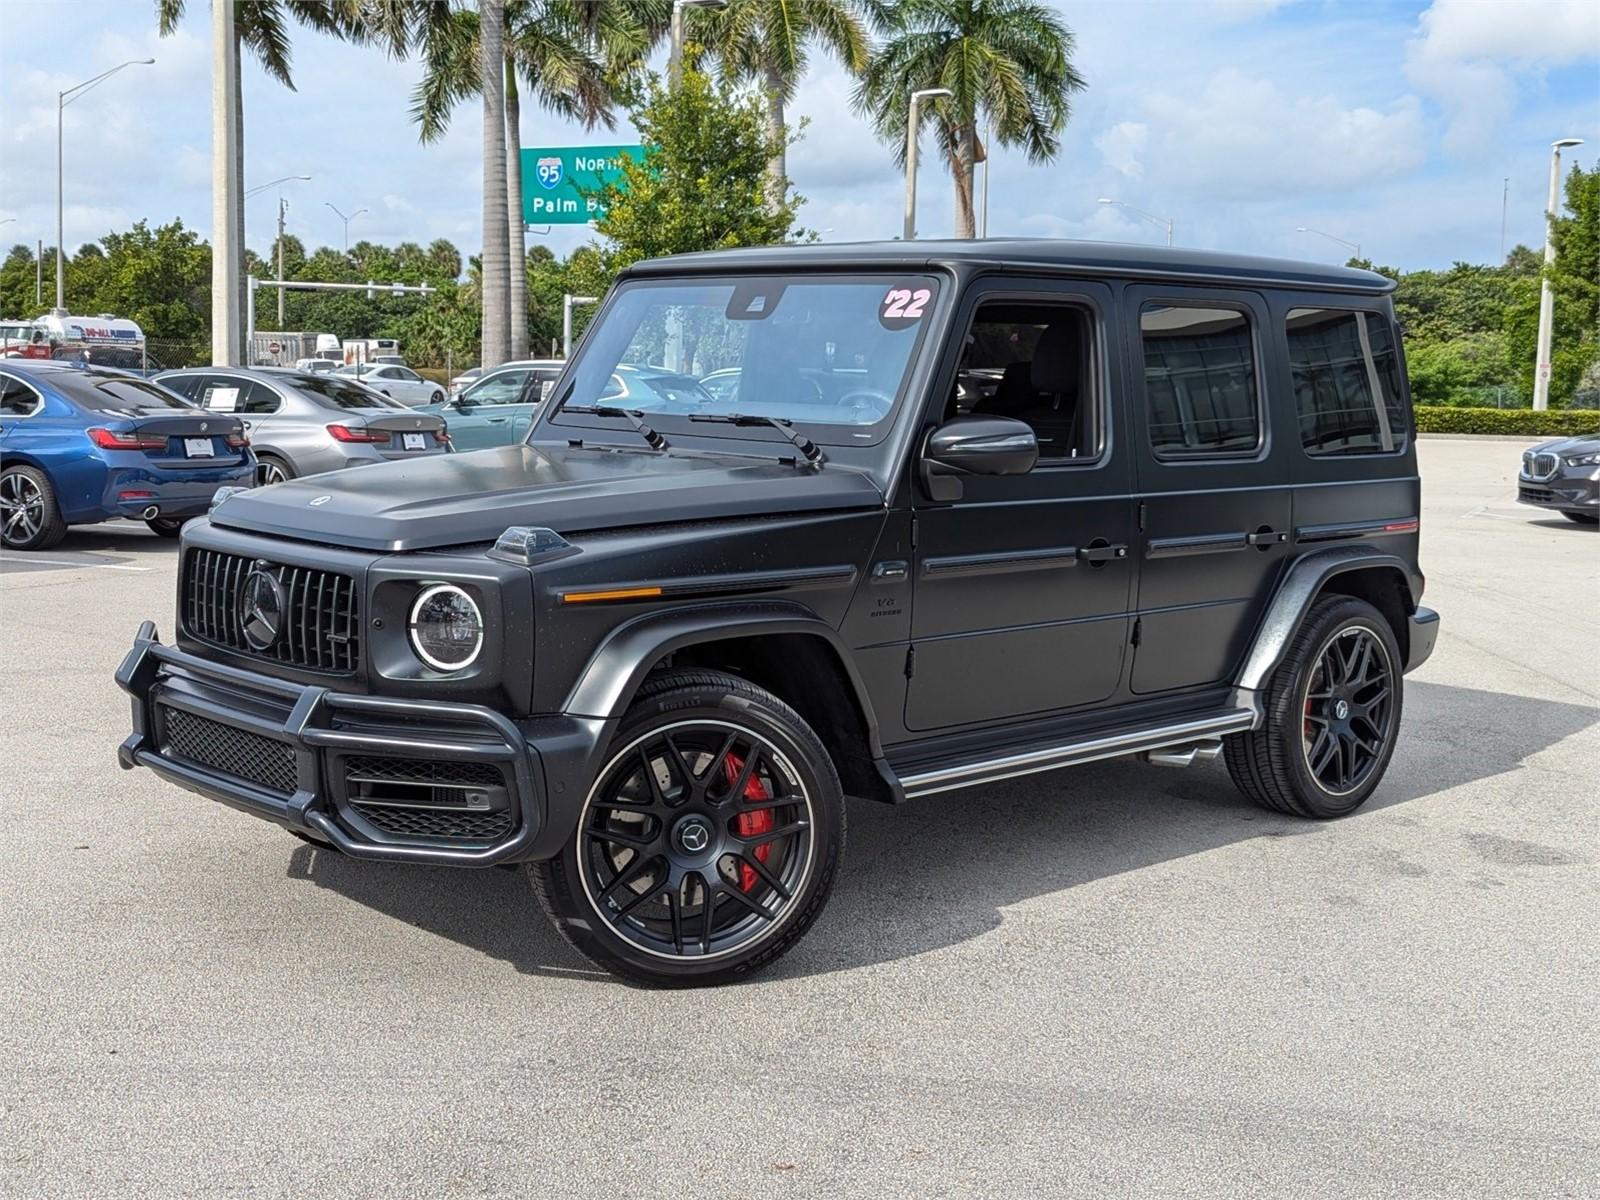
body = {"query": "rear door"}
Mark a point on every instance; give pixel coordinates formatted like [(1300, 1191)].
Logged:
[(1214, 501)]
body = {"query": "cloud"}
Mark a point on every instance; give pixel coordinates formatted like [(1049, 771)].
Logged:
[(1121, 146), (1239, 136), (1467, 55)]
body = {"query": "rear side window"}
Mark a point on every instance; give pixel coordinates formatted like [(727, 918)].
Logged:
[(227, 393), (1199, 381), (17, 399), (184, 385), (1346, 381), (113, 393)]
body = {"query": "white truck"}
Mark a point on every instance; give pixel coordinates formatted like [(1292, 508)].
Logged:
[(288, 349)]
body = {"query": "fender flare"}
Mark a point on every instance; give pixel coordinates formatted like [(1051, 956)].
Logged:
[(615, 670), (1294, 597)]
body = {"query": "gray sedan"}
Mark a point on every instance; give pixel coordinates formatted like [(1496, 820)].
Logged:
[(302, 423)]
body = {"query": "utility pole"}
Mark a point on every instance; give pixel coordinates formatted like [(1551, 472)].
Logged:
[(224, 201), (283, 207), (38, 275), (1547, 299), (1505, 195)]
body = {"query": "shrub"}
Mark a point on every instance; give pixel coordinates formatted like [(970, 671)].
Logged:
[(1516, 421)]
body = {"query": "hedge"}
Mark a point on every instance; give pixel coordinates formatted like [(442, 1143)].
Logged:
[(1551, 423)]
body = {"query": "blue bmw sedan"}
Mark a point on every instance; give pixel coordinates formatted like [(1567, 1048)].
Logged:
[(85, 444)]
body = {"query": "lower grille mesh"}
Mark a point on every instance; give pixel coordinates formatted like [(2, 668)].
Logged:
[(437, 823), (229, 751)]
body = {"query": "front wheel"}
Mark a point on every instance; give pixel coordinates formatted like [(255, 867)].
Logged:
[(1332, 715), (436, 398), (30, 519), (709, 841)]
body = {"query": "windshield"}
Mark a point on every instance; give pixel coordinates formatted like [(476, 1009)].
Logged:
[(340, 393), (110, 392), (828, 352)]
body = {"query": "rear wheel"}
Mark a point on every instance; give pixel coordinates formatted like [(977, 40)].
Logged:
[(29, 516), (1582, 518), (272, 469), (436, 398), (1332, 715), (709, 842), (167, 527)]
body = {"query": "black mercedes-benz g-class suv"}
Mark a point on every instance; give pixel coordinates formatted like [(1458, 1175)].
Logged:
[(812, 522)]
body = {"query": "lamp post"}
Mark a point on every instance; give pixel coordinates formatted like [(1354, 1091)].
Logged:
[(1164, 222), (346, 221), (1547, 300), (675, 52), (913, 128), (62, 100), (283, 208), (568, 303), (1355, 247)]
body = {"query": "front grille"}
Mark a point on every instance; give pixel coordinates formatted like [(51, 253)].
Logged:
[(435, 823), (321, 619), (428, 798), (229, 751), (1539, 466)]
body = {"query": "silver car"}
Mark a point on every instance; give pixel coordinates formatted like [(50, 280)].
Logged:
[(302, 423), (396, 382)]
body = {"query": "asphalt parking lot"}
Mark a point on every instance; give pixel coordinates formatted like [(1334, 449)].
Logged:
[(1121, 980)]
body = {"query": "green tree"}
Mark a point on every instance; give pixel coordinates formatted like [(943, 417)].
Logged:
[(1007, 63), (702, 182), (1575, 286), (769, 42)]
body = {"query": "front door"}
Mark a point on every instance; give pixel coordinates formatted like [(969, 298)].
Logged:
[(489, 412), (1213, 487), (1023, 584)]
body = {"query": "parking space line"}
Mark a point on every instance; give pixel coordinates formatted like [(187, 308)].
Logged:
[(31, 561)]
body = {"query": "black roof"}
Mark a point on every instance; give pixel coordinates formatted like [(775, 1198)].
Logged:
[(1076, 258)]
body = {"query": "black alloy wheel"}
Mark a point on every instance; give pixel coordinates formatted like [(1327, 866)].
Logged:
[(708, 841), (1348, 697)]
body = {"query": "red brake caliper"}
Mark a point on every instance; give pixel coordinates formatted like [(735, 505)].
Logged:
[(749, 824)]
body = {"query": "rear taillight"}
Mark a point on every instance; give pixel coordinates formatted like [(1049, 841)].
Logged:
[(343, 433), (237, 441), (109, 439), (442, 436)]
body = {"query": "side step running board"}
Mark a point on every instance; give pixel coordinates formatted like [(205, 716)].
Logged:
[(1186, 741)]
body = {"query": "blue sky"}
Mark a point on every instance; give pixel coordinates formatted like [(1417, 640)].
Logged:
[(1388, 124)]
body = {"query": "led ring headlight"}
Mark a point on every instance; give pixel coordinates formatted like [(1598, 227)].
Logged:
[(446, 627)]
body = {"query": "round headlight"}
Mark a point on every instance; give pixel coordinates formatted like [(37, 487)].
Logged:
[(446, 627)]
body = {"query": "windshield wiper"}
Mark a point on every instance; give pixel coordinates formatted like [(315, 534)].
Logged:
[(633, 417), (786, 427)]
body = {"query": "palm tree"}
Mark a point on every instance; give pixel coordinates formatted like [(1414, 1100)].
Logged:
[(768, 41), (1006, 62), (566, 52), (263, 27)]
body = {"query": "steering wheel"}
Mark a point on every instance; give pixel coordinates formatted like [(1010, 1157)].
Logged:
[(866, 402)]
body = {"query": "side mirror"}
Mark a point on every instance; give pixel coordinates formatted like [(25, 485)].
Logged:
[(461, 402), (975, 446)]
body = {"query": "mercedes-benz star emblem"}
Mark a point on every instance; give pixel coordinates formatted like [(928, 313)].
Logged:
[(261, 608), (694, 836), (1341, 710)]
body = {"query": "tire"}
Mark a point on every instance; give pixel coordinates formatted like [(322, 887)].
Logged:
[(1288, 765), (30, 518), (1582, 518), (715, 746), (267, 464), (167, 527), (436, 398)]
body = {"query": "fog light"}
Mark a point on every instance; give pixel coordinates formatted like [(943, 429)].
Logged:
[(446, 628)]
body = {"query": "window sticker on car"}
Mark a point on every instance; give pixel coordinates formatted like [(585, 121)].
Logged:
[(222, 399), (902, 306), (544, 390)]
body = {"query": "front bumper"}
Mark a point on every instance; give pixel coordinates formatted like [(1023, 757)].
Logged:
[(297, 755), (1561, 492)]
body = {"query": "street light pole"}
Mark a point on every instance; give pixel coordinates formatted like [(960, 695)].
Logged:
[(225, 200), (568, 302), (62, 100), (346, 221), (675, 50), (1547, 299), (1355, 247), (1164, 222), (913, 128)]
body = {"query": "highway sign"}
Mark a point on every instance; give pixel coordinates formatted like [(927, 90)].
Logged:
[(558, 182)]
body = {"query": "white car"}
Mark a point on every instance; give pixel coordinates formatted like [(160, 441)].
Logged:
[(397, 383), (317, 365)]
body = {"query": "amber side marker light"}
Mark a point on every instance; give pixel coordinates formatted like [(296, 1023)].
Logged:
[(638, 593)]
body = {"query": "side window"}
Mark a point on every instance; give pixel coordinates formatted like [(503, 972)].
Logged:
[(1034, 362), (187, 386), (17, 399), (504, 387), (1346, 381), (256, 398), (1199, 381), (408, 375), (543, 382)]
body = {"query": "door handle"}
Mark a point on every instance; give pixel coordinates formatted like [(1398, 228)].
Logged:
[(1266, 537), (1100, 554), (498, 420)]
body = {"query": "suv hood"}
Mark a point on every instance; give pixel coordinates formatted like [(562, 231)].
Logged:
[(1581, 444), (456, 499)]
